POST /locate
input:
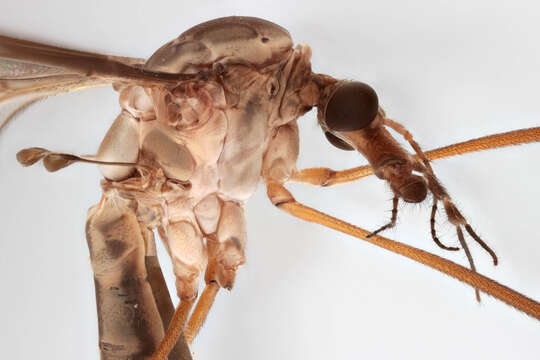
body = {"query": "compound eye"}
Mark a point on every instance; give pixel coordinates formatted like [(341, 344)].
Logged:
[(353, 106), (337, 142)]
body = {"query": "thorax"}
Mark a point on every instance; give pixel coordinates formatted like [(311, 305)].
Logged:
[(202, 138)]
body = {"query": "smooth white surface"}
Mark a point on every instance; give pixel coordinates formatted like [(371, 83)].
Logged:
[(449, 71)]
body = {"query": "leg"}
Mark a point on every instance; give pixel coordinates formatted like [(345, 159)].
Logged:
[(282, 199), (130, 325), (511, 138), (198, 317), (187, 251), (329, 177), (161, 295), (174, 330), (225, 255)]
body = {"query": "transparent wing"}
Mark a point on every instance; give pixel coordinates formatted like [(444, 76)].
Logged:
[(22, 84), (86, 64), (30, 71)]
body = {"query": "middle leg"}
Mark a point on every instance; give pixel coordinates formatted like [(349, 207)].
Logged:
[(188, 254), (226, 247)]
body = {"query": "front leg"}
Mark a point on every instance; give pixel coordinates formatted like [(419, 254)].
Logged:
[(322, 176)]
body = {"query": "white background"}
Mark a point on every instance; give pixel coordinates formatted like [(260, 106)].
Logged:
[(448, 70)]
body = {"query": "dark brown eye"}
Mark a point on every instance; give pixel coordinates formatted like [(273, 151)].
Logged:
[(337, 142), (353, 106)]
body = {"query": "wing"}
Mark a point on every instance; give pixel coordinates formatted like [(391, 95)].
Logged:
[(22, 84), (31, 71)]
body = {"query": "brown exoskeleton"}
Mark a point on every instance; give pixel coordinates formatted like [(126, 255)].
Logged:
[(171, 124)]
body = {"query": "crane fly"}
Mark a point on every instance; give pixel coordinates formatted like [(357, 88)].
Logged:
[(150, 172)]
